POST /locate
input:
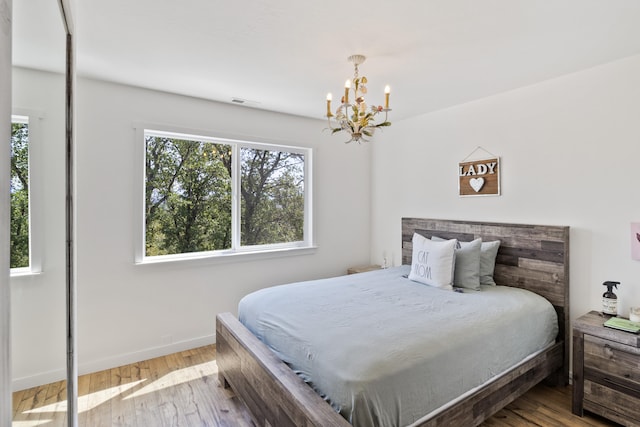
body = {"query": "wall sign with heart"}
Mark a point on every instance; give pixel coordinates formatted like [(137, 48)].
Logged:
[(479, 177)]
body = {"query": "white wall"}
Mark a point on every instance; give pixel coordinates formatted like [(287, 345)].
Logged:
[(130, 312), (569, 150), (38, 301)]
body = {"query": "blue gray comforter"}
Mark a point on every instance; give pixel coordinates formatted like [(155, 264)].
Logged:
[(385, 351)]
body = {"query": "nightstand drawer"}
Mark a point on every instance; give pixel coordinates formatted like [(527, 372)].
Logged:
[(621, 363), (611, 403)]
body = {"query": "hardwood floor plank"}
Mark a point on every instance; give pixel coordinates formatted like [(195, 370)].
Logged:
[(174, 398), (123, 409), (83, 407), (15, 402), (544, 406), (182, 390), (55, 404), (28, 408), (147, 407), (197, 410), (99, 412)]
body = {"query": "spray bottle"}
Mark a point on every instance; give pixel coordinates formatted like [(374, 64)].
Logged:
[(609, 299)]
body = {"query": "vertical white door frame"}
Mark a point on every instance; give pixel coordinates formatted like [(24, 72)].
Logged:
[(5, 212)]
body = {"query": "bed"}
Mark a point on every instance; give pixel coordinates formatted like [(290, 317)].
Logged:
[(531, 257)]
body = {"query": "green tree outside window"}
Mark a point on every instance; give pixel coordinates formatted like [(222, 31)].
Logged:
[(189, 196), (19, 190)]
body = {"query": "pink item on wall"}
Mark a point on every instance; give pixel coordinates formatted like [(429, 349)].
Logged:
[(635, 240)]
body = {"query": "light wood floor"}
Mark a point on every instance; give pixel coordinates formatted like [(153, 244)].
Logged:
[(182, 389)]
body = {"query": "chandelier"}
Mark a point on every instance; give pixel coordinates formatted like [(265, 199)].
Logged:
[(357, 119)]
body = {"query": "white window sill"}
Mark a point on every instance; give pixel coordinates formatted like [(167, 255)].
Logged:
[(23, 272), (203, 258)]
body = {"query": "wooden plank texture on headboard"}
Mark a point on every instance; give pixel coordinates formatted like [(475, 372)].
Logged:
[(532, 257)]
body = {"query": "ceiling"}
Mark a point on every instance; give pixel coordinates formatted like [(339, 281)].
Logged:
[(285, 55)]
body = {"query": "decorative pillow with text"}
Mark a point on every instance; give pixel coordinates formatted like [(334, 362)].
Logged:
[(432, 263)]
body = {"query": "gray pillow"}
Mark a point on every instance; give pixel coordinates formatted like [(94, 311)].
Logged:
[(488, 253), (467, 264)]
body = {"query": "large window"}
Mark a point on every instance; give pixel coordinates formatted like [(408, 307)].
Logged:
[(219, 196), (19, 191)]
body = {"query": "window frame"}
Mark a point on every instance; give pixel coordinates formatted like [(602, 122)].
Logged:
[(35, 165), (236, 251)]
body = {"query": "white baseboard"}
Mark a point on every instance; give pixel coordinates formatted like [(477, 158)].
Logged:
[(111, 362)]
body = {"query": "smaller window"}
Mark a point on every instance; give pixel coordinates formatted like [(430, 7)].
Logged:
[(19, 193), (25, 193)]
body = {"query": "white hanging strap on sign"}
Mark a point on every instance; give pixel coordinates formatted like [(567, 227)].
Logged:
[(475, 150)]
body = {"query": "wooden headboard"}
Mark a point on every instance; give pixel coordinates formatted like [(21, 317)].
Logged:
[(532, 257)]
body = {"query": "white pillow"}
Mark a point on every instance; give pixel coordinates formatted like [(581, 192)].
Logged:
[(432, 263)]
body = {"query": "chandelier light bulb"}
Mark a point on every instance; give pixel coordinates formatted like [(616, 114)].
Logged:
[(329, 105), (347, 86), (387, 91)]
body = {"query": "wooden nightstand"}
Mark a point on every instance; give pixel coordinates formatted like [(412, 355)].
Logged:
[(606, 370), (362, 269)]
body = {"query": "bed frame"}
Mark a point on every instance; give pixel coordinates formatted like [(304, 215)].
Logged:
[(533, 257)]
